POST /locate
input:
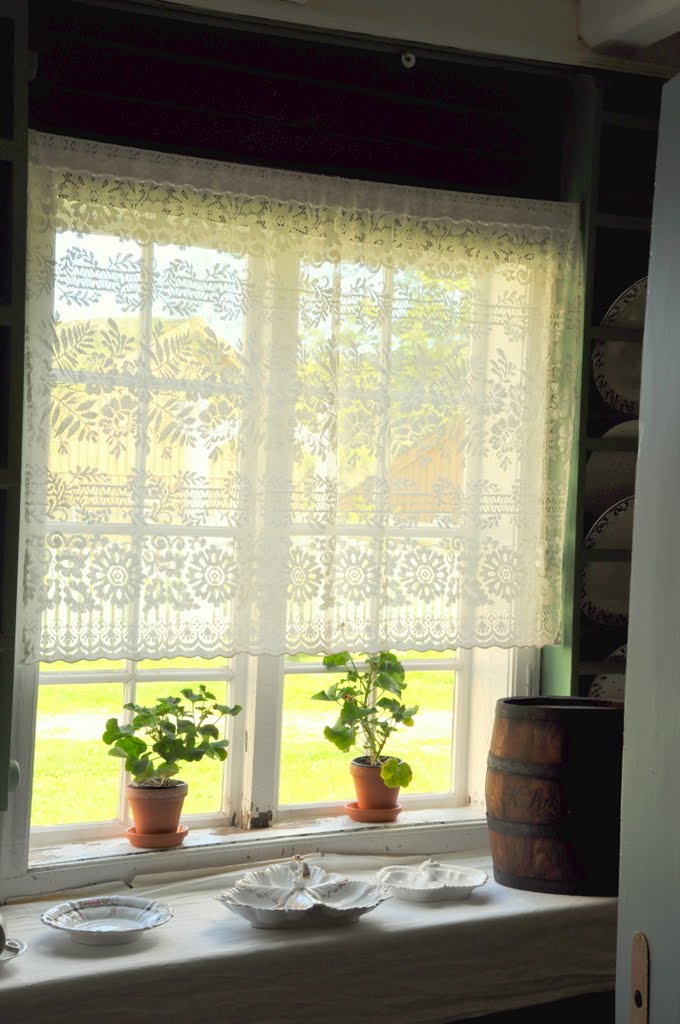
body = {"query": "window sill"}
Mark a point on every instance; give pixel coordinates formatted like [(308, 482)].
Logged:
[(500, 950), (438, 831)]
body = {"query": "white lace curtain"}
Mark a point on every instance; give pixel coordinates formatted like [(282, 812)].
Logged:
[(268, 412)]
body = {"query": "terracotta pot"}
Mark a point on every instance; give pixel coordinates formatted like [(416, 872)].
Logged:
[(156, 811), (375, 800)]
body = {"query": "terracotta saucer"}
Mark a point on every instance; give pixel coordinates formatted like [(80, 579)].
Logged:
[(380, 814), (158, 841)]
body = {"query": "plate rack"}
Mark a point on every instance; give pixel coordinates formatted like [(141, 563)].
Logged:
[(609, 167)]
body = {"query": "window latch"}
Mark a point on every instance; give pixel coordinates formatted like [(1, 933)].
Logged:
[(639, 980)]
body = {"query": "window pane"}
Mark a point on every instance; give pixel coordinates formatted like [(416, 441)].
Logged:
[(161, 664), (314, 771), (102, 665), (204, 778), (75, 780)]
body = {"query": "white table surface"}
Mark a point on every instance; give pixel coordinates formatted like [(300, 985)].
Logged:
[(403, 962)]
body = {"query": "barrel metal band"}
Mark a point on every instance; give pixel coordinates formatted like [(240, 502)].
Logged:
[(512, 767), (535, 831)]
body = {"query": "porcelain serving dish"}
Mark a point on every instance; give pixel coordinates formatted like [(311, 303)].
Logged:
[(298, 893), (431, 882), (107, 920), (13, 949)]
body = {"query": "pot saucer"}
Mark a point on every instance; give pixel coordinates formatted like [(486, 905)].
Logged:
[(157, 841), (375, 815)]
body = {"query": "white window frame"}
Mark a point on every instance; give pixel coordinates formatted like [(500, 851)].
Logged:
[(493, 674), (251, 778)]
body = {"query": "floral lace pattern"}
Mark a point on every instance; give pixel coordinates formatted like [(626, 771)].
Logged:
[(259, 422)]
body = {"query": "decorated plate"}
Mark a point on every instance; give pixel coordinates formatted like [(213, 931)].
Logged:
[(606, 585), (13, 949), (431, 882), (107, 920), (616, 364), (298, 894), (610, 686), (610, 475)]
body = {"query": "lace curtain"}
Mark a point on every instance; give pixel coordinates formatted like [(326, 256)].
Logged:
[(268, 412)]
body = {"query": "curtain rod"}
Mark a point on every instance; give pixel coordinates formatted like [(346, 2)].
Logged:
[(349, 40)]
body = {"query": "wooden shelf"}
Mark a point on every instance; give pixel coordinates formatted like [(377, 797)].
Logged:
[(631, 121), (612, 666), (617, 202), (611, 444), (610, 332), (622, 222), (606, 555)]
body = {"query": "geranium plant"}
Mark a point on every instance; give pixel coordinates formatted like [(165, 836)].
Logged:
[(173, 730), (371, 710)]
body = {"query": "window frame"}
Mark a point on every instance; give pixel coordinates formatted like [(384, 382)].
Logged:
[(493, 674), (251, 786)]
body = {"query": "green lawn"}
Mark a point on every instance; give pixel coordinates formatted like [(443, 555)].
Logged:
[(76, 781)]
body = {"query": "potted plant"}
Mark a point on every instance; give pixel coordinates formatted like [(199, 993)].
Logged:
[(370, 711), (153, 744)]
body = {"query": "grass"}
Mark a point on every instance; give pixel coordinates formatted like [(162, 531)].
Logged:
[(76, 781)]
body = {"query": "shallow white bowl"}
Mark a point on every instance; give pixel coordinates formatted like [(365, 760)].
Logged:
[(298, 894), (13, 949), (431, 882), (107, 920)]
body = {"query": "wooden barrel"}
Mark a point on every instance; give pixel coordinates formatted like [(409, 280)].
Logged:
[(553, 794)]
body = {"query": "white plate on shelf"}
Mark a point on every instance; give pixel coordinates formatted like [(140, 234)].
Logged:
[(616, 364), (606, 585), (107, 920), (610, 475), (610, 686), (13, 949), (431, 882), (298, 894)]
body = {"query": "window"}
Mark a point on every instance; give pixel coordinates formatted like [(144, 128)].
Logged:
[(270, 416)]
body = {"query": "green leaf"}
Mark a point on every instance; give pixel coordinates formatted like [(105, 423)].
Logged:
[(322, 695), (333, 660), (113, 731), (193, 696), (388, 704), (349, 712), (389, 681), (133, 746), (341, 736), (224, 709), (396, 773)]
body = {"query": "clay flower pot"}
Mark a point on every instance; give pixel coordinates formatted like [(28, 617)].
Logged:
[(156, 812), (375, 802)]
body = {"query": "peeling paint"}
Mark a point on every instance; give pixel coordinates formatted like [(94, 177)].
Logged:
[(260, 819)]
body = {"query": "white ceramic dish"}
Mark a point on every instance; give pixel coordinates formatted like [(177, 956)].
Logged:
[(610, 686), (107, 920), (13, 949), (298, 894), (431, 882), (610, 475), (616, 364), (606, 585)]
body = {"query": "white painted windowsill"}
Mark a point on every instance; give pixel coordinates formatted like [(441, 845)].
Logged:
[(435, 831), (412, 963)]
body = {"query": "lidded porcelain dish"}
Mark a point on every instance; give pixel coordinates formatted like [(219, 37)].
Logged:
[(431, 882), (298, 893), (107, 920)]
